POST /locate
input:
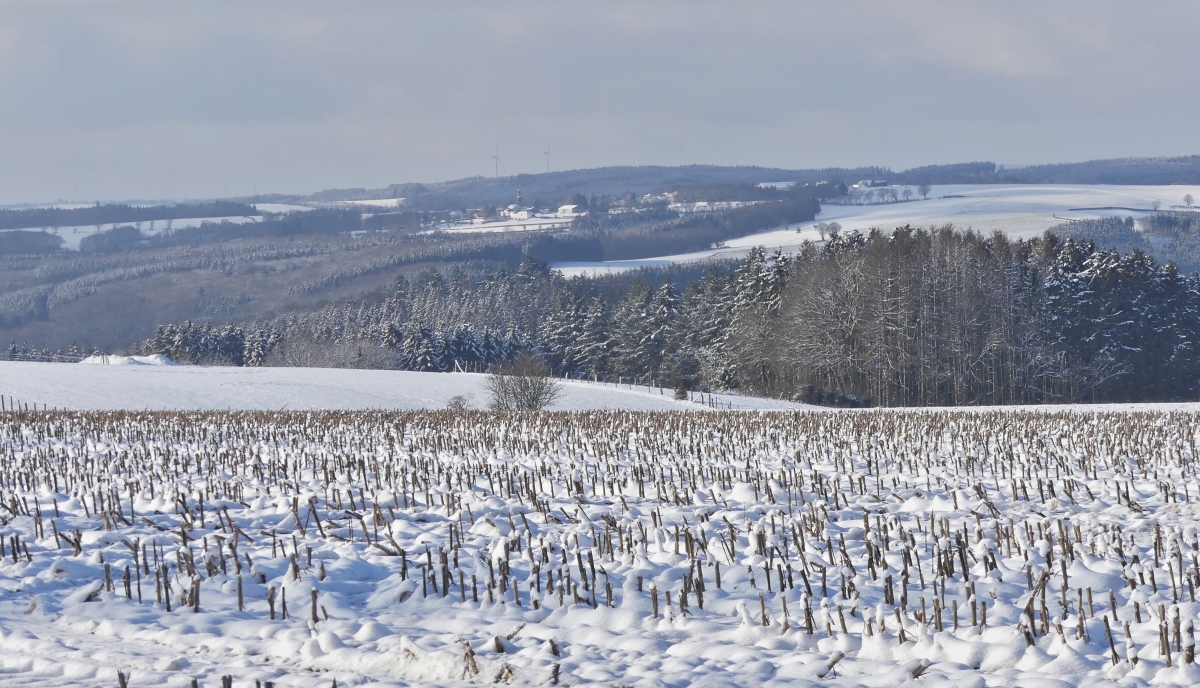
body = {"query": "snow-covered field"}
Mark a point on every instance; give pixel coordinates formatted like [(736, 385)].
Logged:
[(1046, 549), (1018, 210), (83, 386), (378, 203), (73, 235), (281, 208), (533, 224)]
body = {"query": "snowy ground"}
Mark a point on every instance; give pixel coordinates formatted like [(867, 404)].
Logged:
[(281, 208), (531, 225), (378, 203), (73, 235), (876, 549), (1018, 210), (82, 386)]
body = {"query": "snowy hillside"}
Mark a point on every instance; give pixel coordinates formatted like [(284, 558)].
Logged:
[(165, 387), (72, 236), (1019, 210)]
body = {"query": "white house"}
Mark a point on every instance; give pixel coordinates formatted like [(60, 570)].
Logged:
[(517, 212), (568, 211)]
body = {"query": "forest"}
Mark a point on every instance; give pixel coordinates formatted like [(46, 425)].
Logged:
[(1095, 310), (912, 317), (315, 222), (122, 283), (118, 213), (1170, 236)]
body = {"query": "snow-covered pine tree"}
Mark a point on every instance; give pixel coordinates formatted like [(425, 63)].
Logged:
[(662, 338), (596, 340), (753, 334), (561, 336), (631, 327)]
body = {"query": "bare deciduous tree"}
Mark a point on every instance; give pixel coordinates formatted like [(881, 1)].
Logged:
[(1188, 200), (826, 228), (929, 317), (1156, 204), (523, 385), (923, 190)]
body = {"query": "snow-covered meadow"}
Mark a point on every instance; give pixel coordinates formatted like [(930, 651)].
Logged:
[(72, 236), (154, 383), (1043, 548), (1019, 210)]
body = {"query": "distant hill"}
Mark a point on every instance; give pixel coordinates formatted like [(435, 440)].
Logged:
[(1150, 171), (1179, 170), (554, 186), (117, 213)]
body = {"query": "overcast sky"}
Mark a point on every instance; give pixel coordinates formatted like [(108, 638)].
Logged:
[(202, 99)]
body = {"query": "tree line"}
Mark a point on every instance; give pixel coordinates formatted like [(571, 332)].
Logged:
[(1169, 236), (911, 317), (117, 213), (316, 222), (25, 243)]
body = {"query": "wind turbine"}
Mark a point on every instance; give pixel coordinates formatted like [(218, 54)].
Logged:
[(547, 154), (496, 159)]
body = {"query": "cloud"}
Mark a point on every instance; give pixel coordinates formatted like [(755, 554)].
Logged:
[(142, 99), (982, 38)]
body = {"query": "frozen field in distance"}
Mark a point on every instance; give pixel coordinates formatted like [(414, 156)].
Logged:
[(281, 208), (1021, 211), (73, 235)]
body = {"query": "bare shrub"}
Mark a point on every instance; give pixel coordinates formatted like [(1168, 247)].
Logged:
[(459, 403), (523, 385)]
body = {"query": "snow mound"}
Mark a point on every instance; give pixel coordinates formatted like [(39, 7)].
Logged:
[(155, 360)]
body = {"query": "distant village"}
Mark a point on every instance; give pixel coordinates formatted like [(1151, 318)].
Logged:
[(521, 215)]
